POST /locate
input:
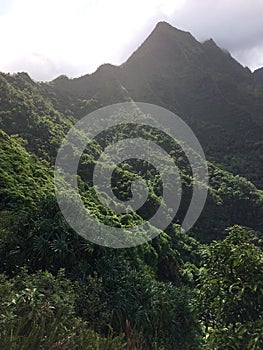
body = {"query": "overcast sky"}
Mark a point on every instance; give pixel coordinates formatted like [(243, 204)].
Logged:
[(47, 38)]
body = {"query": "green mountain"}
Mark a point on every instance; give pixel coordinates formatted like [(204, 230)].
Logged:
[(196, 290), (212, 92)]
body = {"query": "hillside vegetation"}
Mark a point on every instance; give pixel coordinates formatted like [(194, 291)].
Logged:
[(187, 291)]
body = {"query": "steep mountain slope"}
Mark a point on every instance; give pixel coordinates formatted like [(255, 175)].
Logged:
[(258, 75), (216, 96), (177, 291), (31, 120), (25, 112), (200, 82), (24, 180)]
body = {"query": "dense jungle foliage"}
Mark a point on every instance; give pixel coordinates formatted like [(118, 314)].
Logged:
[(201, 289)]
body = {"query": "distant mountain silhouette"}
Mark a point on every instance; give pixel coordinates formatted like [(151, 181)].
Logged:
[(214, 94), (220, 99), (210, 90)]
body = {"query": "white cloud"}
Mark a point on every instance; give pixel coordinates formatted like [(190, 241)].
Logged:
[(235, 25), (52, 37), (62, 34), (252, 57)]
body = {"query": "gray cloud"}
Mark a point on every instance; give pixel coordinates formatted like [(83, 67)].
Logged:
[(235, 25)]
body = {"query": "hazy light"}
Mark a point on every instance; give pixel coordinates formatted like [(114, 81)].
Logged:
[(51, 37)]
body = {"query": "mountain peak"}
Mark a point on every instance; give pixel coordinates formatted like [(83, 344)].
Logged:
[(106, 68), (165, 43), (61, 78), (163, 25), (166, 27)]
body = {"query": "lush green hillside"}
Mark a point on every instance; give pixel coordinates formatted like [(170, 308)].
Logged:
[(217, 97), (196, 290), (26, 113)]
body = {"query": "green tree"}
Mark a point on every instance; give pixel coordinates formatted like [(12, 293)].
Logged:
[(41, 311), (231, 286)]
